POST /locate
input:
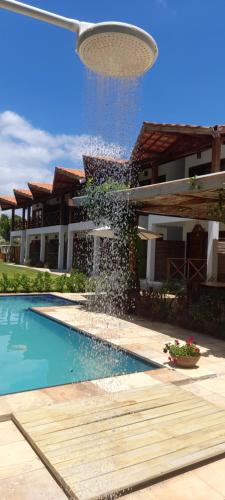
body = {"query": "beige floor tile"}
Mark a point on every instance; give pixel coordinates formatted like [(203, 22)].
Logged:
[(71, 392), (36, 485), (184, 487), (166, 375), (28, 400), (126, 382), (214, 475), (9, 433)]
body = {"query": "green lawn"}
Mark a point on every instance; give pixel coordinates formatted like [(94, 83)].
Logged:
[(12, 269)]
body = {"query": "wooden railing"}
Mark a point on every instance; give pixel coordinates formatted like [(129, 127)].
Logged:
[(186, 269), (49, 219)]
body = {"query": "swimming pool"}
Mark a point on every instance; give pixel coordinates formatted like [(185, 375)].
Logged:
[(37, 352)]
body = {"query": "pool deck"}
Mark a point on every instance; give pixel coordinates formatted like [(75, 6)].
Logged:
[(200, 392)]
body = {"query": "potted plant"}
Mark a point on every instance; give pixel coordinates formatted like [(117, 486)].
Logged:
[(184, 355)]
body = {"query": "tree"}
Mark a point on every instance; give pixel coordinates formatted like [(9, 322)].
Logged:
[(5, 227)]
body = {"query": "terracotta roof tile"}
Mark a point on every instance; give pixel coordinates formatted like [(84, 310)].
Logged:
[(105, 159), (6, 200), (70, 171), (23, 192), (42, 186)]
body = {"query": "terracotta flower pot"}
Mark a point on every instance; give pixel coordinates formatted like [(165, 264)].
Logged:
[(186, 361)]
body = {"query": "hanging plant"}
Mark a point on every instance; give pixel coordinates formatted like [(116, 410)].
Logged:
[(216, 211)]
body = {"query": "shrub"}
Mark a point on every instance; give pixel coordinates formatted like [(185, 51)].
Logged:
[(47, 282), (61, 283), (39, 283), (76, 282), (26, 283), (5, 283), (91, 284), (16, 282)]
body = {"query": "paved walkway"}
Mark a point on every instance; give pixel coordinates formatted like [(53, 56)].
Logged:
[(147, 339)]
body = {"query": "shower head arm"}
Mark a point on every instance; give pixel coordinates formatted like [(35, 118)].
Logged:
[(42, 15)]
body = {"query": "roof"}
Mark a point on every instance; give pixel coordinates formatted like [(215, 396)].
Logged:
[(23, 197), (66, 178), (40, 186), (40, 189), (160, 143), (71, 172), (23, 193), (7, 202), (100, 168)]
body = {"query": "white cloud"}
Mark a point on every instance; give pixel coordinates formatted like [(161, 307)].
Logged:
[(29, 154)]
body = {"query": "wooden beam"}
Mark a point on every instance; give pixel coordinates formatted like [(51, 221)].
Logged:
[(23, 218), (13, 219), (154, 175), (174, 129), (216, 153)]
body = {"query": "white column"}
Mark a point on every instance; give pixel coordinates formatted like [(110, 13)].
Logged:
[(212, 258), (96, 255), (70, 251), (42, 248), (27, 248), (22, 247), (150, 267), (61, 249)]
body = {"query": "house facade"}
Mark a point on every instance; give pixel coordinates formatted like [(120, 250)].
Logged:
[(52, 231)]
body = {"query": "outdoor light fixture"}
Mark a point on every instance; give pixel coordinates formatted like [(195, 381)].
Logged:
[(112, 49)]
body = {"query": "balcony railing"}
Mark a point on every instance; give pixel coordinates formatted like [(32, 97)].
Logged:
[(50, 219), (186, 269), (19, 225)]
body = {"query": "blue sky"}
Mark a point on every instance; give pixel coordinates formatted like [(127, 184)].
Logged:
[(42, 80)]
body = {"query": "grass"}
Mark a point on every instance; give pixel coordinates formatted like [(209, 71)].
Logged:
[(11, 270)]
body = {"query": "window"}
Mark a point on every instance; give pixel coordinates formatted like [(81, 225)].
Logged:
[(199, 170)]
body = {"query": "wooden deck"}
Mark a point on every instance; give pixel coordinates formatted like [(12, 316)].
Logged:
[(115, 443)]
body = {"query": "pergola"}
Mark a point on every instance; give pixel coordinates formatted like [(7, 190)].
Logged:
[(179, 198)]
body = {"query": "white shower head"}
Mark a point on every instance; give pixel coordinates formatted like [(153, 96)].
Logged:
[(112, 49), (116, 49)]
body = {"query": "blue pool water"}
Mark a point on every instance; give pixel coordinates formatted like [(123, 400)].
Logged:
[(37, 352)]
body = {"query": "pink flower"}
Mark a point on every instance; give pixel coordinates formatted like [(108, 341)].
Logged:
[(190, 341), (177, 342)]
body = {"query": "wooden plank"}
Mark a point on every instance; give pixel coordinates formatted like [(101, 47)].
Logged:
[(67, 455), (132, 429), (128, 458), (90, 404), (103, 414), (127, 479), (112, 423)]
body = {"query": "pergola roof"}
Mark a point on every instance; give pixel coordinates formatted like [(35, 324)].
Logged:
[(176, 198), (65, 178), (7, 202), (180, 198), (160, 143)]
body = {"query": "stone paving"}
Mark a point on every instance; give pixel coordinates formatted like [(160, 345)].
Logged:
[(146, 339)]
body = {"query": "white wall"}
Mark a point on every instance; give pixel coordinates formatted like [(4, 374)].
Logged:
[(173, 170)]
